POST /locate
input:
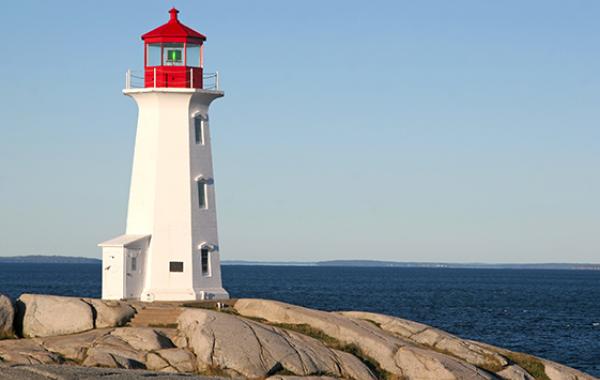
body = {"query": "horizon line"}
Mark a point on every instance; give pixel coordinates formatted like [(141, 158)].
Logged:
[(300, 262)]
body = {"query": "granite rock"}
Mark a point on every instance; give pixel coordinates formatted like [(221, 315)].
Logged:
[(27, 351), (396, 355), (436, 339), (7, 316), (256, 350), (43, 315), (143, 338), (110, 313)]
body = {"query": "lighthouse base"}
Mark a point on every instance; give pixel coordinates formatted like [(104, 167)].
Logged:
[(204, 294)]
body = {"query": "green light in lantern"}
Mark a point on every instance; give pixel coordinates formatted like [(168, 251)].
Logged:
[(174, 55)]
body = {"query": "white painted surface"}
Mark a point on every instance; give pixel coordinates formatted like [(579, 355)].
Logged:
[(113, 273), (119, 279), (163, 200)]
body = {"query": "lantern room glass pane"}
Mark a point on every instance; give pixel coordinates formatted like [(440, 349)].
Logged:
[(173, 54), (153, 57), (192, 55)]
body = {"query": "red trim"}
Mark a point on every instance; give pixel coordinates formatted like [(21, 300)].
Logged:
[(153, 40), (173, 77)]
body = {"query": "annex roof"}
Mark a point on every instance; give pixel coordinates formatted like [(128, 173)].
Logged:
[(124, 241)]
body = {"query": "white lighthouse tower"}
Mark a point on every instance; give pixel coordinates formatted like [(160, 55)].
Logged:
[(170, 249)]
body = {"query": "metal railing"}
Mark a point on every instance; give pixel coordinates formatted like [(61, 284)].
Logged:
[(135, 79)]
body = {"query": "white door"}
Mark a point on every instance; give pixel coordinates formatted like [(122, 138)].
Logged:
[(113, 274)]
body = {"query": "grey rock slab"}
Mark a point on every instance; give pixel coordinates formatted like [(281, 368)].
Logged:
[(26, 351), (108, 360), (435, 338), (7, 316), (128, 347), (255, 350), (514, 372), (553, 370), (280, 377), (557, 371), (113, 352), (73, 347), (179, 341), (111, 313), (155, 362), (394, 354), (180, 359), (143, 338), (44, 315), (54, 372)]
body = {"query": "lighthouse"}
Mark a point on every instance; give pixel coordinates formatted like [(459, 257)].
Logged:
[(170, 249)]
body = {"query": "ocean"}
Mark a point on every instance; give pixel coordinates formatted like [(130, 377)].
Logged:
[(554, 314)]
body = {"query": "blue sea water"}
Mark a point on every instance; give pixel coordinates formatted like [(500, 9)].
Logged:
[(554, 314)]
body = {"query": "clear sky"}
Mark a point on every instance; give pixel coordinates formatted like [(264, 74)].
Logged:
[(399, 130)]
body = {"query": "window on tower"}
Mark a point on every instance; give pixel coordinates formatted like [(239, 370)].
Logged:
[(205, 263), (153, 55), (202, 193), (199, 124), (173, 54), (192, 55)]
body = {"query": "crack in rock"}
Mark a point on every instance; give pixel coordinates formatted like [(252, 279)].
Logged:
[(260, 345)]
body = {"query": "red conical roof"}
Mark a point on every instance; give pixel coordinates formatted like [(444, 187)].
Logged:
[(173, 31)]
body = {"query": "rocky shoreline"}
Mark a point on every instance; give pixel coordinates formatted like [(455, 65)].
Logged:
[(51, 337)]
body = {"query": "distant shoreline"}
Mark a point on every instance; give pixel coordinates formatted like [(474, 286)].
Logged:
[(42, 259), (399, 264), (56, 259)]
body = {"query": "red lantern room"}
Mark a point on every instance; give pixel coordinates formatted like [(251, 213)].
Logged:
[(173, 55)]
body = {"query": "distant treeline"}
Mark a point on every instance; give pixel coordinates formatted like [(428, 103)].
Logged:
[(375, 263), (42, 259), (399, 264)]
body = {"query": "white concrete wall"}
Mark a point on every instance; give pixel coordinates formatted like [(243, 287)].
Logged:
[(163, 199), (113, 273)]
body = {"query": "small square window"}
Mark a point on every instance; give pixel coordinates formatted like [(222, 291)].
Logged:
[(176, 266)]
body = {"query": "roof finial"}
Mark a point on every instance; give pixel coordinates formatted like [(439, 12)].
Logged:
[(173, 13)]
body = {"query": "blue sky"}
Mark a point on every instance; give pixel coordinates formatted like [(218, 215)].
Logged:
[(425, 130)]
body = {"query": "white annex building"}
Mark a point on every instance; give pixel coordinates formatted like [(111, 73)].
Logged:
[(170, 249)]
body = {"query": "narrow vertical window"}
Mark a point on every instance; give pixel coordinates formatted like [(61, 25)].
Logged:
[(202, 193), (134, 264), (204, 256), (199, 129)]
